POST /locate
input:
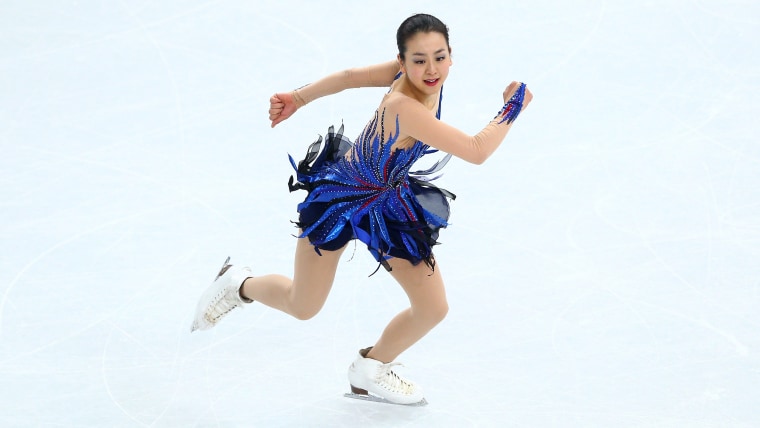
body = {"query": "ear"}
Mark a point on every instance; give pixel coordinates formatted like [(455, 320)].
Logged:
[(451, 58), (400, 63)]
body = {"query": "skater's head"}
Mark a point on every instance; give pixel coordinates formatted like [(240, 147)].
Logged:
[(424, 54), (419, 23)]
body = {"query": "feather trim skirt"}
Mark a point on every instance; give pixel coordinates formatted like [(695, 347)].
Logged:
[(354, 198)]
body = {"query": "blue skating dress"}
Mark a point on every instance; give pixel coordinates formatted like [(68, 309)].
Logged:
[(370, 195)]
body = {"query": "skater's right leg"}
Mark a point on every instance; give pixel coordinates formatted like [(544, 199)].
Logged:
[(305, 294)]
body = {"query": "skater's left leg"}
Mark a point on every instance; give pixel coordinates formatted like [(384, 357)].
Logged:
[(429, 306)]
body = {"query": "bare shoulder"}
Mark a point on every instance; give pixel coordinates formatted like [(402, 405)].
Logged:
[(397, 103)]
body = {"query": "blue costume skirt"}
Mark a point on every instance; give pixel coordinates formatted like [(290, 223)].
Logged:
[(371, 196)]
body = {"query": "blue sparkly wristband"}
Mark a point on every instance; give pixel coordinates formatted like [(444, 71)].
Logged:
[(512, 108)]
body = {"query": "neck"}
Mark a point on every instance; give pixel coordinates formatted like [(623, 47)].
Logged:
[(428, 100)]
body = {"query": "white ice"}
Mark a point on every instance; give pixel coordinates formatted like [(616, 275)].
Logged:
[(603, 268)]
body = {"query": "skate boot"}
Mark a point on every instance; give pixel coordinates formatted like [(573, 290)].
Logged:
[(221, 297), (374, 381)]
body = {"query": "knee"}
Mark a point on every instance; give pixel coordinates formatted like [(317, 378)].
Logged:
[(435, 313), (305, 313), (441, 312)]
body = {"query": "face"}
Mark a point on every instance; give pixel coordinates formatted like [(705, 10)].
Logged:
[(427, 62)]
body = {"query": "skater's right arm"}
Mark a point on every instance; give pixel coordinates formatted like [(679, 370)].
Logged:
[(283, 105)]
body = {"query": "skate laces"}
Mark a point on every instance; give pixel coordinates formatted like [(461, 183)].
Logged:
[(387, 377), (225, 300), (222, 304)]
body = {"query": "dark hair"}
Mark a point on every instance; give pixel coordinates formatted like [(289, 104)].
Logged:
[(419, 23)]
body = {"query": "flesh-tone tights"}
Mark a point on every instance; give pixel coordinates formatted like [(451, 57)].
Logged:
[(305, 294)]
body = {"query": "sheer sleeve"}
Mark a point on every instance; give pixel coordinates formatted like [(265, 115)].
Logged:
[(417, 122), (379, 75)]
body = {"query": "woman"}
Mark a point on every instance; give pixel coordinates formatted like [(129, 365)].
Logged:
[(365, 191)]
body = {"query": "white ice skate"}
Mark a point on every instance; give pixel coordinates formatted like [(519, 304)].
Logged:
[(221, 297), (374, 381)]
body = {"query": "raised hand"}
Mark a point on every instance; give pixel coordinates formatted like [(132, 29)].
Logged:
[(281, 107), (512, 88), (516, 99)]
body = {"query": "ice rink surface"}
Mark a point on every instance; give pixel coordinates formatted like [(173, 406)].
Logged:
[(603, 267)]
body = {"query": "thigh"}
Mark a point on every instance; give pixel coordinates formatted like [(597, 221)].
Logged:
[(313, 274), (423, 285)]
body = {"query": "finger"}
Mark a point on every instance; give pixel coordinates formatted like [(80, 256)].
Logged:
[(511, 90), (527, 98)]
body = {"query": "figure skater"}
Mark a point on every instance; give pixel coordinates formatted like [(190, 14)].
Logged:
[(365, 190)]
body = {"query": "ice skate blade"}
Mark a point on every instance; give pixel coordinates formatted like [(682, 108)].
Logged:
[(367, 397)]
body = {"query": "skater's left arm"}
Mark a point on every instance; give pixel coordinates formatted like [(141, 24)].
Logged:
[(283, 105)]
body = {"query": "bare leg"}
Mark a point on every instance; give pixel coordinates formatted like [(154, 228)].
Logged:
[(427, 296), (304, 295)]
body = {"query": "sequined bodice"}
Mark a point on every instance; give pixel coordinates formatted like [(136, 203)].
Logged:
[(365, 190), (376, 162)]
